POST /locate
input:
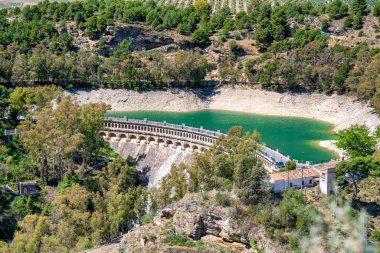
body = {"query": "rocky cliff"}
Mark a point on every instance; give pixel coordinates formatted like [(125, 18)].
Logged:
[(199, 224)]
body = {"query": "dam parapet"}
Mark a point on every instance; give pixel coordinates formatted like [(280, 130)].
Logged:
[(147, 131), (176, 135)]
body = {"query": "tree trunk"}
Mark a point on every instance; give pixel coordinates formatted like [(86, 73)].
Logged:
[(45, 169)]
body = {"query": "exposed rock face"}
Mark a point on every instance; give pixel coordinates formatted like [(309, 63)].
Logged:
[(143, 39), (307, 20), (206, 221), (196, 220), (217, 228)]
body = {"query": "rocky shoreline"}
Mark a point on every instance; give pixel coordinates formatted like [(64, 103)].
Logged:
[(339, 110)]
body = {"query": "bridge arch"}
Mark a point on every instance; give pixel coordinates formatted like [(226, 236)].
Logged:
[(151, 139), (169, 142), (102, 134), (160, 140), (111, 135), (122, 136), (186, 146)]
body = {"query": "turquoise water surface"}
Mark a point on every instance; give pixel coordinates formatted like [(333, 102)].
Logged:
[(297, 137)]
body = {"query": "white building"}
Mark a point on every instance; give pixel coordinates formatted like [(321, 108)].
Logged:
[(327, 181), (300, 178)]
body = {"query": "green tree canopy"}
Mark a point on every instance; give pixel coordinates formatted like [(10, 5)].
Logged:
[(356, 141), (200, 37)]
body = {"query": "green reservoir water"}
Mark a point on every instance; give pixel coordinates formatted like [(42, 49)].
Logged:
[(297, 137)]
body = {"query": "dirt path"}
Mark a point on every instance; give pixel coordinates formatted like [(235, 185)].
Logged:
[(245, 5)]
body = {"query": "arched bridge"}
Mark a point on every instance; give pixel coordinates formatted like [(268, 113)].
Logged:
[(173, 135), (158, 133)]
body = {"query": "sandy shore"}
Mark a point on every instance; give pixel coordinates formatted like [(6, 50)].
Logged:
[(341, 111), (330, 145)]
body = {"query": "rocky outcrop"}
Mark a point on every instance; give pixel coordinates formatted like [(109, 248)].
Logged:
[(143, 39), (204, 220), (307, 20), (196, 220), (210, 227)]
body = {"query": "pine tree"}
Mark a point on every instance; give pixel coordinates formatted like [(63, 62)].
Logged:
[(357, 22), (359, 6)]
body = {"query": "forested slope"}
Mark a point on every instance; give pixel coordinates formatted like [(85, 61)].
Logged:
[(294, 46)]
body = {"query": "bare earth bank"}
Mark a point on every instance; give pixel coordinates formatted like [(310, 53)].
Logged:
[(341, 111)]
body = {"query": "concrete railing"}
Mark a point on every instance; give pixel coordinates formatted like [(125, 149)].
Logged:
[(164, 124), (187, 134)]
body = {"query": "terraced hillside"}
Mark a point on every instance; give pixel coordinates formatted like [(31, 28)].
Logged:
[(234, 5), (20, 3)]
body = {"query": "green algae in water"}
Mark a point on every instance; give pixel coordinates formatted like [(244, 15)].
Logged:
[(297, 137)]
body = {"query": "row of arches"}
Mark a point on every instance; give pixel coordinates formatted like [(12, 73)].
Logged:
[(150, 140), (160, 130)]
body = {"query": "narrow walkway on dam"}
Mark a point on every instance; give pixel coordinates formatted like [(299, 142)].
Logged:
[(145, 131)]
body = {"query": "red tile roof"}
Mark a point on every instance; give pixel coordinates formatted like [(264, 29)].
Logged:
[(294, 174), (309, 172)]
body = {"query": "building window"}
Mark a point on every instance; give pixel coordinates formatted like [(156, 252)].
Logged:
[(303, 183), (310, 181), (291, 184)]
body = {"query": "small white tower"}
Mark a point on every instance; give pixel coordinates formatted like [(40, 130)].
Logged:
[(327, 181)]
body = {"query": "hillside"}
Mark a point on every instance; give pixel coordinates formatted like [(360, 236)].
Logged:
[(329, 48), (65, 188), (235, 5)]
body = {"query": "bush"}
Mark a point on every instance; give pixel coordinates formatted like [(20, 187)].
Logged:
[(67, 181), (348, 21), (205, 195), (325, 24), (235, 48), (293, 240), (147, 218), (289, 165), (375, 235), (200, 37), (253, 243), (227, 184), (182, 240), (376, 9), (237, 36), (223, 199)]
